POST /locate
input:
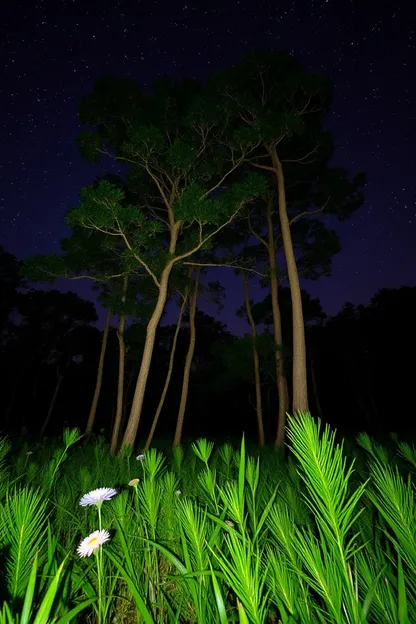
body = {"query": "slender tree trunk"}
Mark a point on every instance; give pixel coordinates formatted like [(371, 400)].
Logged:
[(188, 363), (121, 368), (149, 343), (168, 376), (98, 383), (60, 377), (256, 363), (300, 385), (138, 398), (281, 380)]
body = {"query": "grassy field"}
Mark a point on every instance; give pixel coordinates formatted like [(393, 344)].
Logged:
[(209, 535)]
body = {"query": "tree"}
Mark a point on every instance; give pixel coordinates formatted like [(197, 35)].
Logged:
[(46, 338), (256, 361), (185, 297), (269, 241), (173, 142), (188, 361), (275, 101), (95, 255)]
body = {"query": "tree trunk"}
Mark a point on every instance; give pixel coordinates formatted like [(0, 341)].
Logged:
[(277, 331), (138, 398), (300, 385), (98, 383), (256, 363), (188, 363), (168, 376), (54, 397), (121, 368)]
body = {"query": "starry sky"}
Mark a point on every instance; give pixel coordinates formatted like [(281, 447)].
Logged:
[(54, 50)]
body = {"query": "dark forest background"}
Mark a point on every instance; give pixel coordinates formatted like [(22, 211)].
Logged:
[(360, 365)]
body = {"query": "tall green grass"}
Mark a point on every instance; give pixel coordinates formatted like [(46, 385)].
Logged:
[(208, 535)]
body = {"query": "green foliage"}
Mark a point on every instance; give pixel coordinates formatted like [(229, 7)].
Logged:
[(44, 268), (23, 518), (180, 155), (90, 145), (191, 205), (245, 538)]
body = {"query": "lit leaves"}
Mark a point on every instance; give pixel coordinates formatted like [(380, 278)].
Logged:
[(194, 205), (252, 186), (191, 205), (102, 208), (145, 141)]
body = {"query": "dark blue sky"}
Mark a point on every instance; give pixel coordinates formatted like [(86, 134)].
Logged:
[(54, 50)]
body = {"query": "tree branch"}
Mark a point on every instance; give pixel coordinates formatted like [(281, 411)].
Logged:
[(233, 168), (307, 213), (221, 264), (303, 158), (138, 258), (259, 238), (265, 167), (207, 238)]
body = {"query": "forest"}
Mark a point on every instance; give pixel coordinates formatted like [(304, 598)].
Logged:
[(50, 362), (206, 524)]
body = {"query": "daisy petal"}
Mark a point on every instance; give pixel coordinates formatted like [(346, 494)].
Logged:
[(92, 542), (97, 497)]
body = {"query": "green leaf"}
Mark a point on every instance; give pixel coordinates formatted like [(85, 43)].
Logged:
[(180, 155), (42, 616)]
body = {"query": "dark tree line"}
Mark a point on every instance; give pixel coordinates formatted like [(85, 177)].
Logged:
[(360, 370)]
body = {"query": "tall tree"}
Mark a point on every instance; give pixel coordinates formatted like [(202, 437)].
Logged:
[(256, 361), (99, 378), (270, 243), (179, 155), (125, 288), (188, 361), (272, 98), (184, 303)]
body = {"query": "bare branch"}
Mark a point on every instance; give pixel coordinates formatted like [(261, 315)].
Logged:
[(229, 172), (308, 213), (221, 264), (259, 238), (159, 186), (138, 258), (303, 158), (207, 238), (265, 167)]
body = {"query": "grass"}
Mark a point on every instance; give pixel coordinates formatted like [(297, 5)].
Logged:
[(209, 534)]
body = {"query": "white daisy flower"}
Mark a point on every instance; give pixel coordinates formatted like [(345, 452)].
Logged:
[(178, 492), (140, 457), (92, 542), (97, 497)]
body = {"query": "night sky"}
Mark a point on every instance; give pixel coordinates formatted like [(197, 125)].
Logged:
[(53, 51)]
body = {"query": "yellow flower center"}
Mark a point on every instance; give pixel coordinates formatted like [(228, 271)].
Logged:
[(93, 541)]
